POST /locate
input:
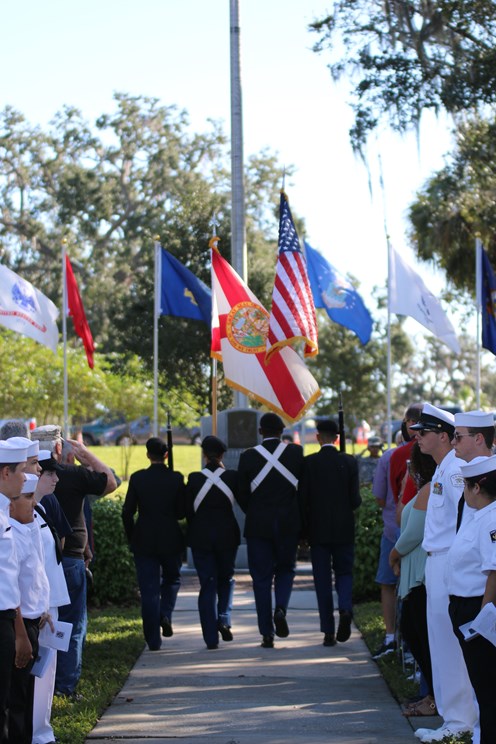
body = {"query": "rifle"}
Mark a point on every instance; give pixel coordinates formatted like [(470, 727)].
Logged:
[(342, 434), (170, 446)]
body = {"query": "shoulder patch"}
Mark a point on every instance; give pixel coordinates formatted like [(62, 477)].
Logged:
[(457, 480), (492, 535)]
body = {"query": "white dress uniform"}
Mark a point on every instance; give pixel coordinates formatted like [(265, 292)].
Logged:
[(59, 596), (452, 688)]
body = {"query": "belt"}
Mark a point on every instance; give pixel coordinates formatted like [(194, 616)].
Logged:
[(434, 553), (8, 614)]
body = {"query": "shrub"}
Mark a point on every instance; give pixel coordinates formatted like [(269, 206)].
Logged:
[(367, 548), (113, 568)]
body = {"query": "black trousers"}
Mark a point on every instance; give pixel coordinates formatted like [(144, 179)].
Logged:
[(413, 626), (22, 693), (480, 658), (7, 652)]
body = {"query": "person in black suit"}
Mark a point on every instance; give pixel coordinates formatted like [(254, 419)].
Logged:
[(268, 481), (330, 492), (156, 539), (213, 535)]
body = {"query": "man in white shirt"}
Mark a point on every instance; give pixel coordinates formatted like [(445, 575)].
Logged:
[(452, 688)]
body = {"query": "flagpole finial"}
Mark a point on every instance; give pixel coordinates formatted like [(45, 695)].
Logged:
[(64, 241), (215, 223), (156, 238)]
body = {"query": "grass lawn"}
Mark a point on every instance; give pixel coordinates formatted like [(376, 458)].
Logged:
[(114, 642)]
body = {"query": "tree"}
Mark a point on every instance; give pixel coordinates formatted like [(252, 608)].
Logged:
[(457, 204), (408, 56), (108, 189)]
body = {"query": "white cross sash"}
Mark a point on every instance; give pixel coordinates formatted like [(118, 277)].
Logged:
[(212, 479), (272, 462)]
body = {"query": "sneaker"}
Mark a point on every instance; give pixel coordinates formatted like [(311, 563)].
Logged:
[(344, 627), (386, 648), (281, 623), (225, 632), (267, 642), (167, 630)]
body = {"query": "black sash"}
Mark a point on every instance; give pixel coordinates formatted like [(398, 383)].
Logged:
[(51, 526)]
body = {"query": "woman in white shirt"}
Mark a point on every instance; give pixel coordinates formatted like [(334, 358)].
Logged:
[(471, 581)]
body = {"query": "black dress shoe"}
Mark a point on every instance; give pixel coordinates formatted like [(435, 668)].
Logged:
[(225, 632), (344, 627), (329, 639), (280, 622), (167, 630), (267, 642), (212, 646)]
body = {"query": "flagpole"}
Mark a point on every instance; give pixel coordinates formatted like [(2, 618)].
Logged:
[(478, 305), (156, 313), (389, 355), (64, 338), (214, 224)]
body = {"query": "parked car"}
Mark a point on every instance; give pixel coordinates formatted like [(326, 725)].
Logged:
[(93, 431), (138, 431)]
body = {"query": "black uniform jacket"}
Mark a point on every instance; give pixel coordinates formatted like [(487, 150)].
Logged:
[(275, 501), (158, 496), (330, 492), (213, 525)]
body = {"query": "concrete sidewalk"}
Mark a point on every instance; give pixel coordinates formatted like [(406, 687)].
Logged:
[(299, 691)]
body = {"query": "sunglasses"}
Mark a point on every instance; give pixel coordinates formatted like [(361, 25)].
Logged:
[(423, 432), (457, 436)]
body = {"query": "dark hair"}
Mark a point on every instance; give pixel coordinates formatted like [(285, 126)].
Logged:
[(156, 448), (10, 465), (422, 466), (487, 483), (486, 431)]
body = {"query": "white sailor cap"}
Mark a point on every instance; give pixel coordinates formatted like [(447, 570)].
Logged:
[(33, 447), (478, 466), (475, 419), (435, 419), (29, 485), (11, 452)]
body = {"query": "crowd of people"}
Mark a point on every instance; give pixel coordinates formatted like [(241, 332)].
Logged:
[(44, 554), (437, 491)]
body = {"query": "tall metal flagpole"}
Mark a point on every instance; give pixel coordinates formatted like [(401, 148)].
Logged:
[(214, 222), (64, 339), (238, 231), (389, 355), (156, 315), (478, 305)]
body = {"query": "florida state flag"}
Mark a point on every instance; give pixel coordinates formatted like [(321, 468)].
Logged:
[(239, 333)]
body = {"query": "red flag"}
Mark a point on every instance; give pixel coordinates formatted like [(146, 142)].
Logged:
[(239, 332), (292, 317), (76, 311)]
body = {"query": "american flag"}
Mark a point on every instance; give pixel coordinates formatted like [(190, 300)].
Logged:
[(292, 316)]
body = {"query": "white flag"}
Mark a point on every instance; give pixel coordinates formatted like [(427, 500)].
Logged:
[(408, 295), (26, 310)]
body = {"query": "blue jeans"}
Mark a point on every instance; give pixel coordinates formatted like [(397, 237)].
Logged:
[(159, 580), (325, 559), (215, 569), (271, 560), (69, 663)]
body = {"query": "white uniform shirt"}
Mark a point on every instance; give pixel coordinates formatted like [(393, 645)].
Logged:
[(59, 596), (10, 596), (33, 581), (473, 554), (442, 509)]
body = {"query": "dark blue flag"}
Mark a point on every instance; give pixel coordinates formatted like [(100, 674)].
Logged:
[(488, 302), (337, 296), (182, 294)]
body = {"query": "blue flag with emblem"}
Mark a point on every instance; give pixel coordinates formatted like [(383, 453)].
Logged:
[(334, 293), (488, 303), (182, 294)]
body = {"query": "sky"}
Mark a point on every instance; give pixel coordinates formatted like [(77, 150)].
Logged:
[(62, 52)]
